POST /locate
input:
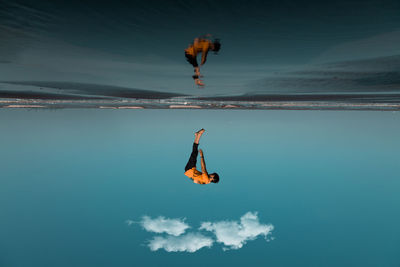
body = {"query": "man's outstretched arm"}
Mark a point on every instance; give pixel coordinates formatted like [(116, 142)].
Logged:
[(203, 163)]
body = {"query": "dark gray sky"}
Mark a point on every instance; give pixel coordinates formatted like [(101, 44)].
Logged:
[(140, 43)]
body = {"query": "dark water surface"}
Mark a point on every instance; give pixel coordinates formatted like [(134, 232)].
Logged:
[(135, 49)]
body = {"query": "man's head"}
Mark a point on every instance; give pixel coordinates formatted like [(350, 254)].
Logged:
[(214, 177), (216, 46)]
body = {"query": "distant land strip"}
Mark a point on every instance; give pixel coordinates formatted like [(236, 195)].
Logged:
[(194, 104), (362, 98)]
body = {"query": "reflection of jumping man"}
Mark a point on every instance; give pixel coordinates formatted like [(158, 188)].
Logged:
[(202, 45), (190, 170)]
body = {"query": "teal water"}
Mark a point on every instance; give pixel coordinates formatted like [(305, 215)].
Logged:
[(328, 181)]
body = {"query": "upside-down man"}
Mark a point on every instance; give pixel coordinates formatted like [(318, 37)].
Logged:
[(190, 170)]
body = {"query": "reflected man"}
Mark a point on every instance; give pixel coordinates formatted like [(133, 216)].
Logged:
[(190, 170), (202, 45)]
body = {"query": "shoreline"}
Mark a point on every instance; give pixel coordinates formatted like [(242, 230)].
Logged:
[(194, 104)]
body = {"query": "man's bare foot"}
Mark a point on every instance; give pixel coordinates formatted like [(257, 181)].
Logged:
[(199, 82), (201, 131), (197, 135)]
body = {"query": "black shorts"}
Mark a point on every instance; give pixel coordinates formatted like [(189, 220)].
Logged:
[(191, 59), (193, 158)]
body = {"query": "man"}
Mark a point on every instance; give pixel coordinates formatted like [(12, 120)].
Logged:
[(202, 45), (190, 170)]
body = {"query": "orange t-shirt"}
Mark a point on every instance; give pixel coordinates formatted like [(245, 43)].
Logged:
[(197, 177), (200, 46)]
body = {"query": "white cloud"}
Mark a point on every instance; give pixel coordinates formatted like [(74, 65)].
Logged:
[(235, 234), (160, 225), (231, 234), (190, 242)]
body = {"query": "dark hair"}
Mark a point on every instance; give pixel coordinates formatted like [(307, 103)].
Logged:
[(215, 178), (217, 46)]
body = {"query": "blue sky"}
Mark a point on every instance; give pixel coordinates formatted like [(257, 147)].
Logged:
[(326, 181)]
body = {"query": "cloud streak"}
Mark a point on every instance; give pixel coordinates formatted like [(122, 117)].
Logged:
[(161, 224), (73, 90), (190, 242), (235, 234), (129, 222)]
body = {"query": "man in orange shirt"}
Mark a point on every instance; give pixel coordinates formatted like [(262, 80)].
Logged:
[(190, 170), (202, 45)]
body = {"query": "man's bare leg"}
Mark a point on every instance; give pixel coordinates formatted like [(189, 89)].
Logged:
[(193, 156), (197, 71), (197, 77), (197, 135)]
